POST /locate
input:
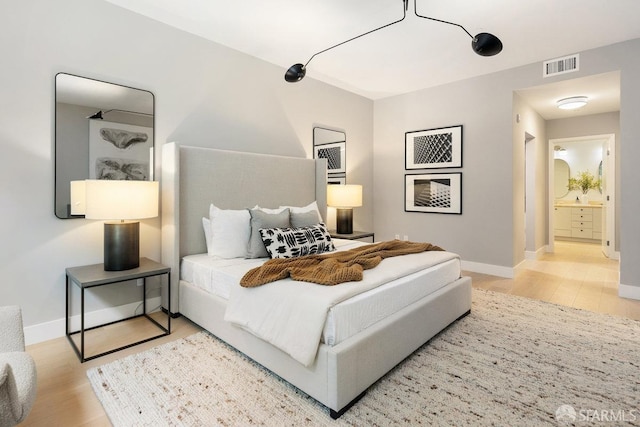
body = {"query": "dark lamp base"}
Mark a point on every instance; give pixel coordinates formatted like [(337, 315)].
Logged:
[(344, 221), (121, 245)]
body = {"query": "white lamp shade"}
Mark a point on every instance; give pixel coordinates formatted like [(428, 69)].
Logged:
[(344, 196), (78, 197), (107, 199)]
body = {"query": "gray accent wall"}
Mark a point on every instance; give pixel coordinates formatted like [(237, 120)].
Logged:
[(205, 95), (490, 231)]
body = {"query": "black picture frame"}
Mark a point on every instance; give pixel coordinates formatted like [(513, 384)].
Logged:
[(335, 153), (336, 179), (433, 148), (433, 193)]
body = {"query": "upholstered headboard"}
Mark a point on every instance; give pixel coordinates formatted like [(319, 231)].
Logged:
[(194, 177)]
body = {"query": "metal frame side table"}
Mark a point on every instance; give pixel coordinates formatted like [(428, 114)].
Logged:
[(90, 276)]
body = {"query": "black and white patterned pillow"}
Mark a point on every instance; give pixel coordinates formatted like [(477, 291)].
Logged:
[(295, 242)]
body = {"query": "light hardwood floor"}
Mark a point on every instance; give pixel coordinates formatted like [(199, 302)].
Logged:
[(577, 275)]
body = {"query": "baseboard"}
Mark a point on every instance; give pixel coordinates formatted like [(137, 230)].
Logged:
[(56, 328), (493, 270), (535, 254), (628, 291)]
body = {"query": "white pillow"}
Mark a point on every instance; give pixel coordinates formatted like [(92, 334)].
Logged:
[(206, 226), (313, 206), (230, 231)]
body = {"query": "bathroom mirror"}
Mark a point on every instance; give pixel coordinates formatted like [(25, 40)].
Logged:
[(600, 176), (561, 176), (331, 145), (102, 131)]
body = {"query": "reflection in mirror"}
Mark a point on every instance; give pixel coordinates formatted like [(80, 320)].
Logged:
[(600, 176), (331, 145), (102, 131), (561, 178), (327, 136)]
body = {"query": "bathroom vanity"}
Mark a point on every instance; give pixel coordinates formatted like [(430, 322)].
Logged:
[(578, 221)]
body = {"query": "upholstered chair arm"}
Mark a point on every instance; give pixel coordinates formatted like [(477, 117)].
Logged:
[(18, 381), (9, 404), (11, 332)]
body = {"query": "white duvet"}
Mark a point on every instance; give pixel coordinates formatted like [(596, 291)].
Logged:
[(291, 315)]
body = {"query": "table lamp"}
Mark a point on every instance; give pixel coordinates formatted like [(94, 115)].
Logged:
[(344, 198), (78, 197), (123, 203)]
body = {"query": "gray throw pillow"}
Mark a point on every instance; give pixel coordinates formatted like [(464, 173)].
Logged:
[(261, 219), (304, 219)]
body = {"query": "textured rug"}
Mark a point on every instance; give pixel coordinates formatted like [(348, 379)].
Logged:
[(511, 362)]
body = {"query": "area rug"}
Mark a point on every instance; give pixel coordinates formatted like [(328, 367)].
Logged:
[(512, 362)]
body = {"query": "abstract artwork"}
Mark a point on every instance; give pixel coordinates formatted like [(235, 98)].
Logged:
[(433, 193), (434, 148), (336, 178), (335, 155), (119, 151)]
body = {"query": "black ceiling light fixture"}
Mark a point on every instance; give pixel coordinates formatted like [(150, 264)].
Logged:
[(296, 72), (97, 115), (484, 44), (100, 114)]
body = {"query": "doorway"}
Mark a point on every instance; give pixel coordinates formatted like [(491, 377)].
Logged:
[(574, 215)]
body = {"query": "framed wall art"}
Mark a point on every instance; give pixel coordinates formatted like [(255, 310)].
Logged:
[(337, 178), (434, 148), (433, 193), (119, 151), (335, 155), (331, 144)]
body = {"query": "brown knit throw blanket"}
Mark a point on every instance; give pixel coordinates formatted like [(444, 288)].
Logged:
[(332, 268)]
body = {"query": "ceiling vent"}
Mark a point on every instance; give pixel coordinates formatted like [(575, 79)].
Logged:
[(566, 64)]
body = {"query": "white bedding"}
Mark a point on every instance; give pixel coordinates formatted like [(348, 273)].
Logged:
[(218, 275), (347, 314), (345, 319)]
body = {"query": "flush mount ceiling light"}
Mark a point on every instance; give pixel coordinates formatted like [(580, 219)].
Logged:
[(572, 103), (484, 44)]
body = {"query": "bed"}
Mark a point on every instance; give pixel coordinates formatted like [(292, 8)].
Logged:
[(192, 179)]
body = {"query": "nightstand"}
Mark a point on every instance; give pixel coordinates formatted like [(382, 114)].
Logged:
[(91, 276), (356, 235)]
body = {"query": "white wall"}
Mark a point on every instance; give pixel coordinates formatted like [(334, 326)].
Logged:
[(205, 95), (490, 230), (529, 130)]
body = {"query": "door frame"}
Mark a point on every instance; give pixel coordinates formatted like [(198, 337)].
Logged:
[(610, 225)]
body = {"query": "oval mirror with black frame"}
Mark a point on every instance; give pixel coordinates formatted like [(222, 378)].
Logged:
[(331, 145), (102, 131)]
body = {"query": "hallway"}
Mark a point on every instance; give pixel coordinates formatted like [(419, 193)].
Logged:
[(576, 275)]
